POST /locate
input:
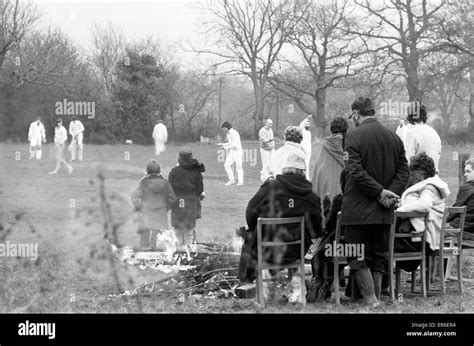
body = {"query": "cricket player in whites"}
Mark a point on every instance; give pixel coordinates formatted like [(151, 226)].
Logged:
[(234, 154), (36, 136), (60, 139), (76, 130), (160, 135)]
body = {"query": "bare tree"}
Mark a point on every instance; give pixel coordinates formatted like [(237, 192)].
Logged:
[(250, 35), (108, 48), (446, 82), (458, 35), (404, 29), (48, 58), (196, 91), (16, 19), (328, 54)]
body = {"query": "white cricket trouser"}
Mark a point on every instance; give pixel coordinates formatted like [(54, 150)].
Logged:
[(35, 148), (59, 149), (76, 147), (159, 147), (266, 156), (234, 155)]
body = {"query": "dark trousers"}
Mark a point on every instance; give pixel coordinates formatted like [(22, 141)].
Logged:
[(374, 238)]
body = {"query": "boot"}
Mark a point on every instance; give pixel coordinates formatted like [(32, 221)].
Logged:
[(314, 287), (365, 282), (352, 290), (377, 284)]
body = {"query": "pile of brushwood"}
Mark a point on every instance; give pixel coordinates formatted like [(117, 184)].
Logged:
[(205, 270)]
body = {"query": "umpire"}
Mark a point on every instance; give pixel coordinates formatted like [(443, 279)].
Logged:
[(377, 173)]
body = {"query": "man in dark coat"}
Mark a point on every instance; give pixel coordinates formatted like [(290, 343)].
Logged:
[(289, 195), (186, 180), (377, 172)]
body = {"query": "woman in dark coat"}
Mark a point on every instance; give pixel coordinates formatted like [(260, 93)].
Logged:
[(187, 183), (289, 195), (153, 198)]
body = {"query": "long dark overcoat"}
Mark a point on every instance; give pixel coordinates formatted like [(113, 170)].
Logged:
[(375, 161)]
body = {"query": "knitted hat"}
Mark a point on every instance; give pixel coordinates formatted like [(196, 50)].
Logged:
[(295, 160), (185, 155), (153, 166)]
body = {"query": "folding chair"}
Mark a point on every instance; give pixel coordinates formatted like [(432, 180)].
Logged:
[(450, 245), (395, 257), (262, 265)]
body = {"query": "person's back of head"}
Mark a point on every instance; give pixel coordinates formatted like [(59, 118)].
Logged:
[(338, 125), (364, 106), (226, 125), (185, 156), (293, 134), (422, 167), (416, 113), (153, 167)]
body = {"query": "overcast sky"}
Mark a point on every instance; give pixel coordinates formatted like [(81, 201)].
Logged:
[(170, 21)]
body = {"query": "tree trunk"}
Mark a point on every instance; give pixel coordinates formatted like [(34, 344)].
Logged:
[(471, 99), (259, 107), (320, 117), (173, 129), (413, 85)]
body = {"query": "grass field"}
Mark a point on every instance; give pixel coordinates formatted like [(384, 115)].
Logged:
[(61, 213)]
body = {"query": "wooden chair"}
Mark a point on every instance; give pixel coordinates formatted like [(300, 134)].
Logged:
[(336, 261), (395, 257), (450, 245), (262, 265)]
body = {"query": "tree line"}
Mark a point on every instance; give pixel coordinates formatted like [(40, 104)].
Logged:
[(279, 59)]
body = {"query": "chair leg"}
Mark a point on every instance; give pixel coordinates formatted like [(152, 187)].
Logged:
[(435, 269), (441, 274), (260, 298), (423, 277), (413, 278), (303, 285), (459, 270), (390, 279), (397, 279), (428, 272), (336, 283)]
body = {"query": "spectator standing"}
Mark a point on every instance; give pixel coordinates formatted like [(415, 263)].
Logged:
[(187, 182), (377, 172), (153, 198), (330, 162)]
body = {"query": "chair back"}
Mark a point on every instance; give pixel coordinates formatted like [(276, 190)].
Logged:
[(278, 221), (448, 233)]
